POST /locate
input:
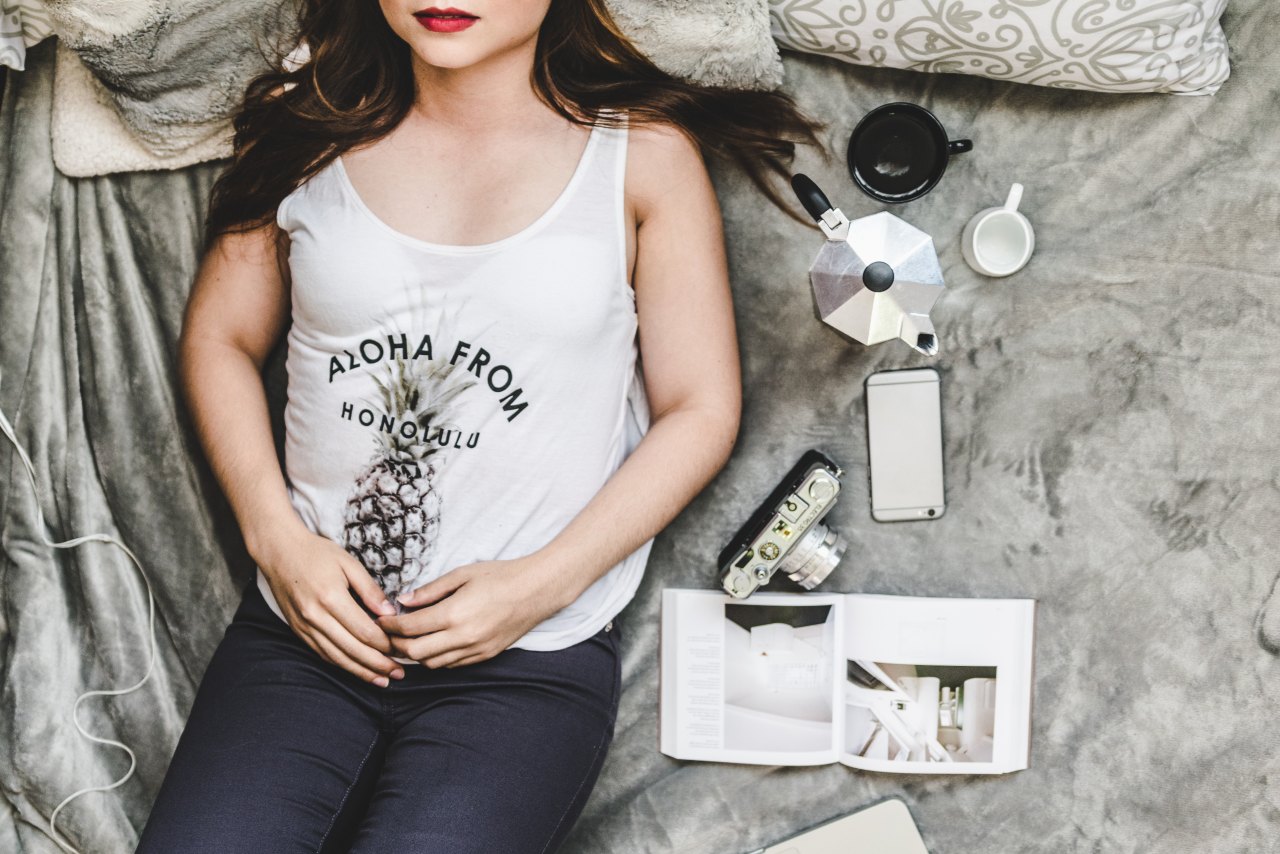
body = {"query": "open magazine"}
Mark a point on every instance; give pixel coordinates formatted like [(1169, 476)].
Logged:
[(882, 683)]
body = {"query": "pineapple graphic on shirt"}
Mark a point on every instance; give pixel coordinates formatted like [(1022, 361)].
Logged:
[(392, 515)]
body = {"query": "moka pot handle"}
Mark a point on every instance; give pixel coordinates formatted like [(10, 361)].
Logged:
[(813, 199)]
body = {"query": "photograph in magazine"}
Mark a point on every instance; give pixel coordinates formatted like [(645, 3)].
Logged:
[(777, 687), (919, 712)]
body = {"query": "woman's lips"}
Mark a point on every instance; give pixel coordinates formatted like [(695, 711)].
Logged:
[(445, 20)]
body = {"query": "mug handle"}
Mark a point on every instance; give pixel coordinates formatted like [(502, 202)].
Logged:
[(1015, 198), (959, 146)]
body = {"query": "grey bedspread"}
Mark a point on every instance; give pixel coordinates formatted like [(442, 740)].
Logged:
[(1111, 451)]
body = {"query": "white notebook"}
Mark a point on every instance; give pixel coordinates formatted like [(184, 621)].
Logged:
[(886, 828)]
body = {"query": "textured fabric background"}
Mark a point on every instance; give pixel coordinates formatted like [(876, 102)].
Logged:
[(91, 137), (1110, 442), (167, 73), (715, 42)]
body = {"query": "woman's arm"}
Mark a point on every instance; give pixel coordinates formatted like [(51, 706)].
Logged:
[(690, 357), (238, 308)]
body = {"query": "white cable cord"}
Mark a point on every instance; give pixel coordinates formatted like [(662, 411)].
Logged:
[(117, 692)]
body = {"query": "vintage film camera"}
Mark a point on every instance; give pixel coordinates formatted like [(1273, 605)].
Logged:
[(787, 533)]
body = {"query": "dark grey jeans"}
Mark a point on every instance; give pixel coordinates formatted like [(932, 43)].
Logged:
[(284, 752)]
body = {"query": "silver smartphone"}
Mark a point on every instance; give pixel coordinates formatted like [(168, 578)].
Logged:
[(904, 440)]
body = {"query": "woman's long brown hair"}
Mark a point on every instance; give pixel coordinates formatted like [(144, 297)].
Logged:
[(358, 85)]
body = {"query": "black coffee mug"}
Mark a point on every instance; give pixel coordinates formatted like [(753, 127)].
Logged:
[(899, 151)]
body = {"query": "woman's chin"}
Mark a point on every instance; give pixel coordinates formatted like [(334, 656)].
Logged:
[(452, 57)]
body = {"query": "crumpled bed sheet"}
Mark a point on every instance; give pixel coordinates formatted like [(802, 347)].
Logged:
[(1110, 443)]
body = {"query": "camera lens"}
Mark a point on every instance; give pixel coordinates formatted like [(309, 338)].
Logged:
[(813, 558)]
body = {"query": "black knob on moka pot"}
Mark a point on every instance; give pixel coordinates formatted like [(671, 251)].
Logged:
[(877, 276), (813, 199)]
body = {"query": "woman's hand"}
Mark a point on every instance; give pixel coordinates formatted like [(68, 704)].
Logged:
[(312, 578), (472, 613)]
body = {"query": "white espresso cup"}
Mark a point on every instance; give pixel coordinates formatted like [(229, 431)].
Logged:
[(999, 241)]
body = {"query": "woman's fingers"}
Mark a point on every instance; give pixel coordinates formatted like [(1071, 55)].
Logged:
[(369, 658), (335, 655), (415, 623), (437, 645), (434, 591), (364, 586), (359, 624), (451, 659), (460, 657)]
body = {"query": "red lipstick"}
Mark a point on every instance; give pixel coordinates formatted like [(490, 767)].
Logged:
[(448, 20)]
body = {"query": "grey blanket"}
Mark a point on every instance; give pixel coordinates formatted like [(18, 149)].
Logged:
[(1110, 448)]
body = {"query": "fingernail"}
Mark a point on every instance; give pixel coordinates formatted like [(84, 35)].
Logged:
[(386, 609), (381, 682), (404, 598), (398, 673)]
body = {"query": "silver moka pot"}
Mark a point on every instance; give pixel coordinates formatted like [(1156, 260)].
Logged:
[(876, 278)]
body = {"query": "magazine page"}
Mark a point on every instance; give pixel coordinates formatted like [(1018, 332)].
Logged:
[(937, 686), (753, 681)]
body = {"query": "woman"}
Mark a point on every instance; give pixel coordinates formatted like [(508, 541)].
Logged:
[(472, 224)]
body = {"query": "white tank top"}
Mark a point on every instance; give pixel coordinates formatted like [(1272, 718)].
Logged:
[(454, 404)]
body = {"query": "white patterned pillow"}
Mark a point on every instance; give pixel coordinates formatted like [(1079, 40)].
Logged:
[(1104, 45), (22, 24)]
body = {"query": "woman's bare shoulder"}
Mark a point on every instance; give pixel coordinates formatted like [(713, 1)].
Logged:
[(664, 165)]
